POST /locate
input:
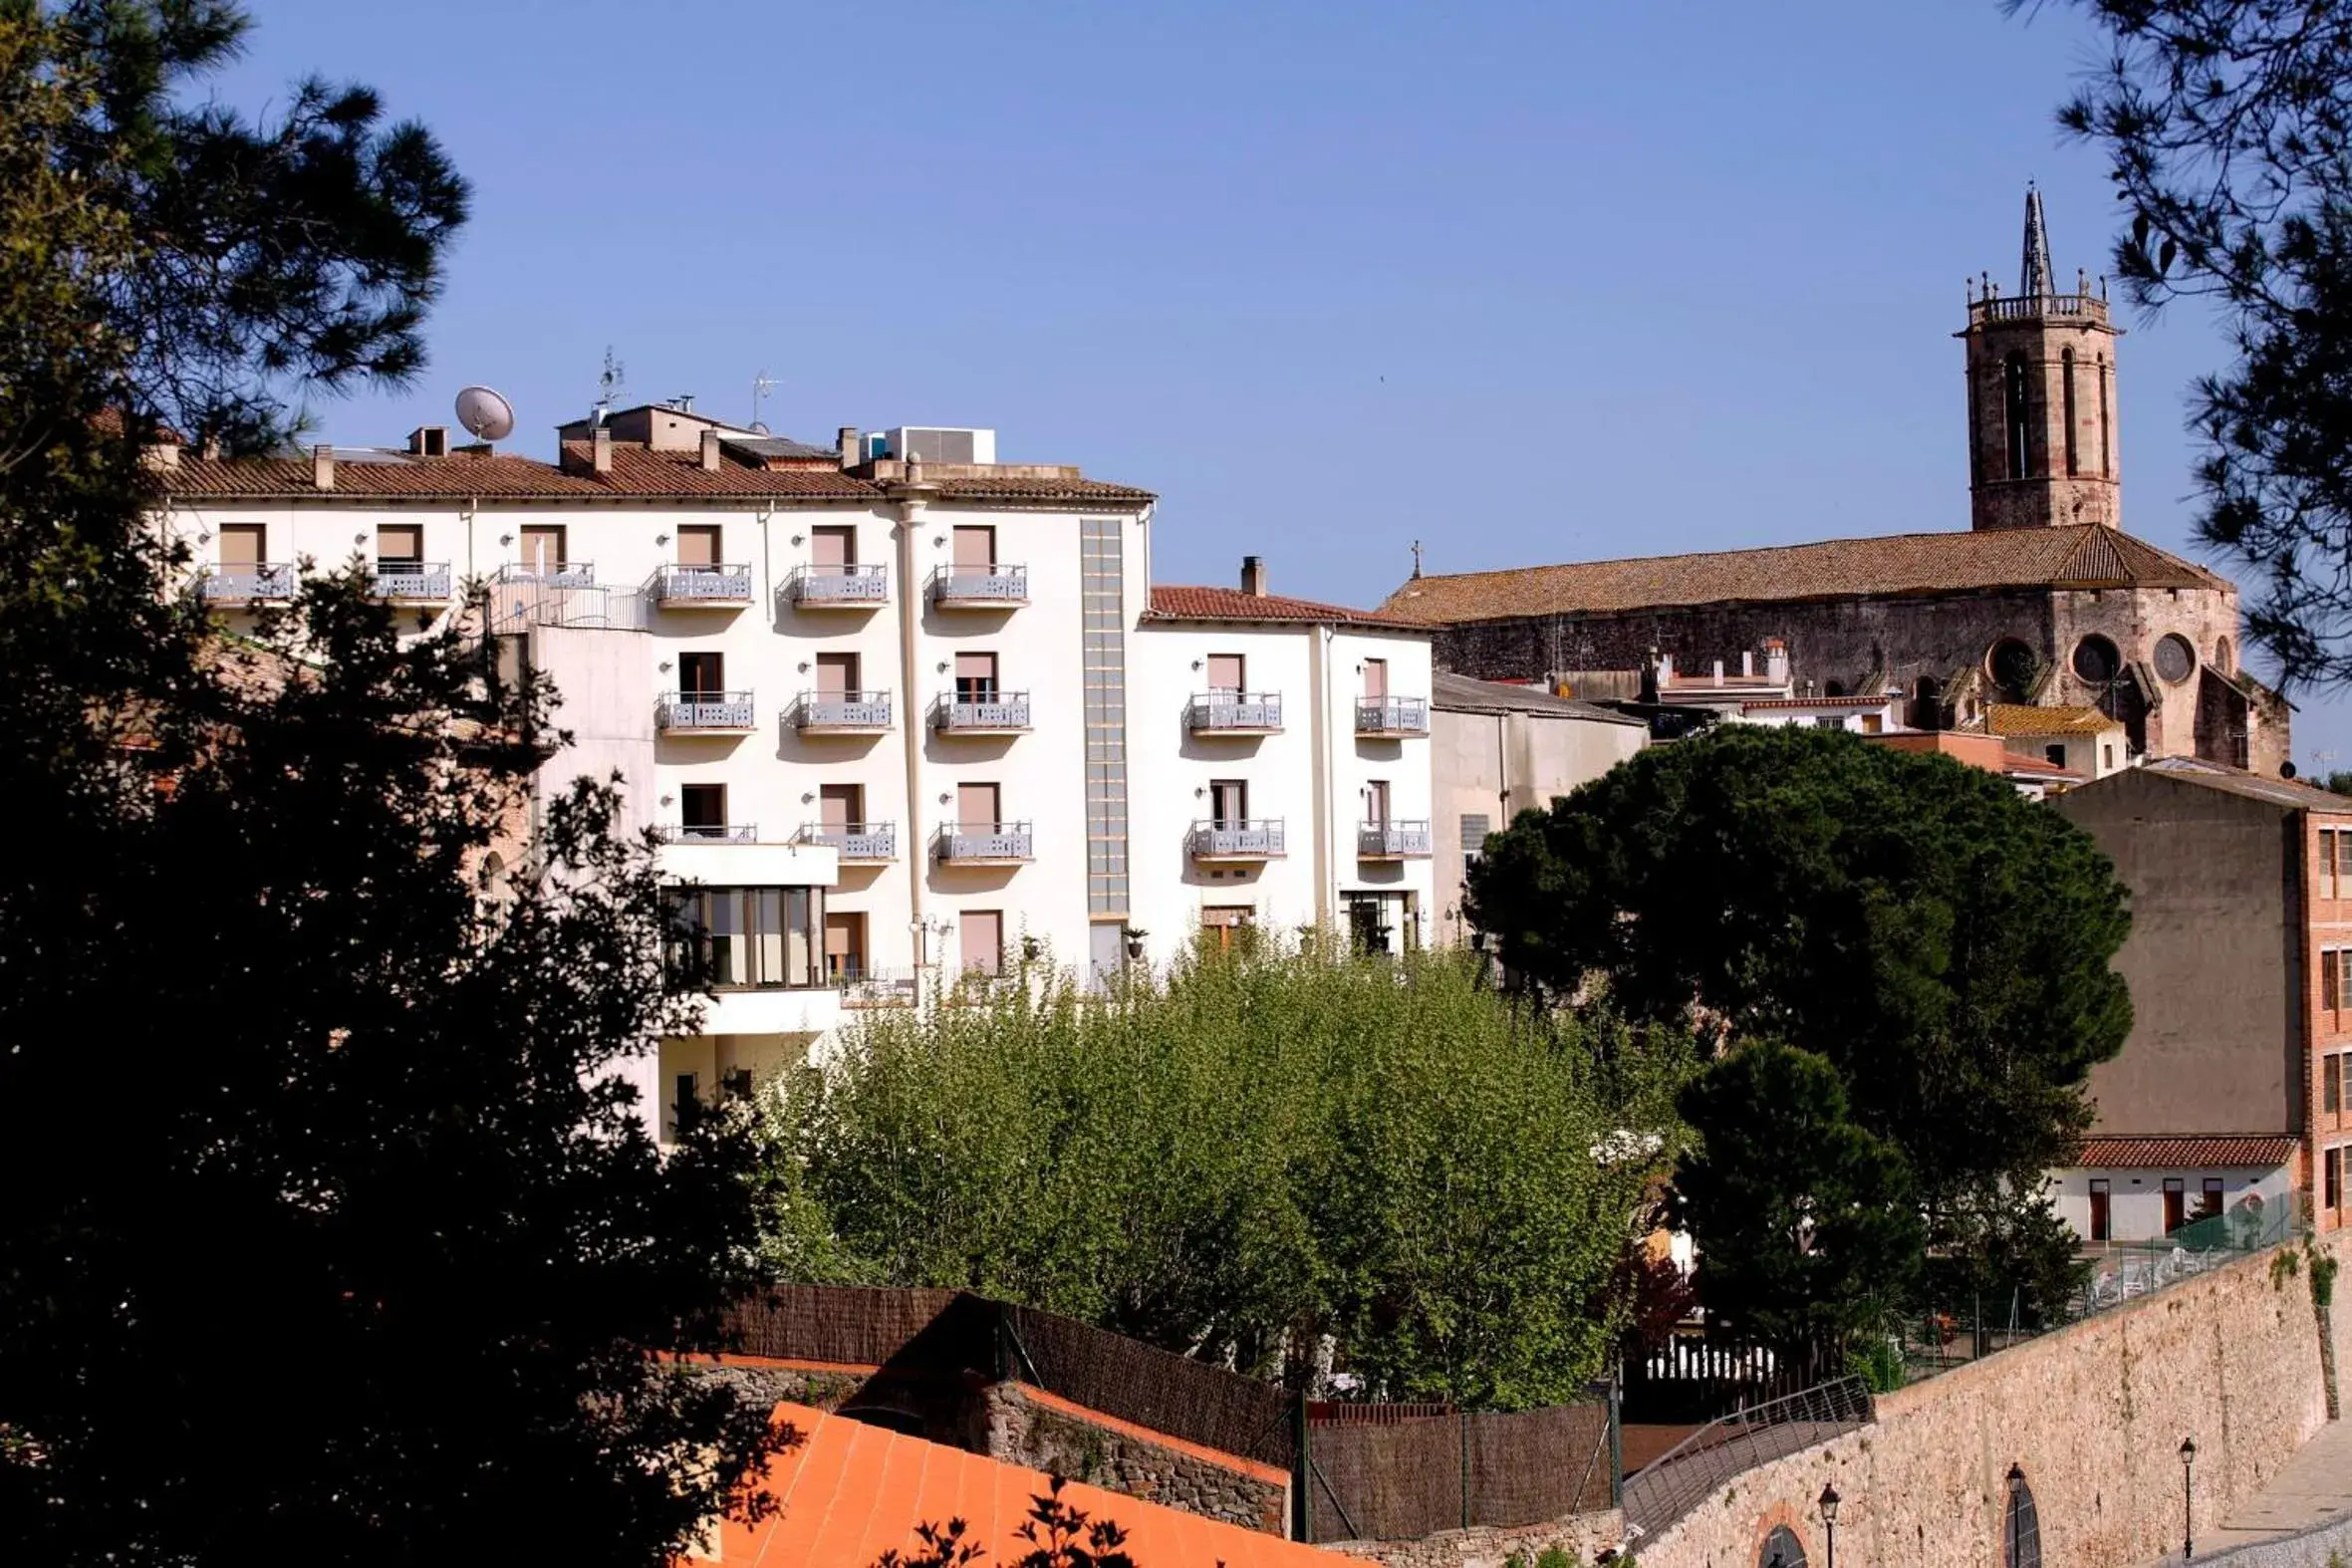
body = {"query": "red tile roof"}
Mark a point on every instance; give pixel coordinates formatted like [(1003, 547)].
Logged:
[(1174, 601), (2184, 1153), (1778, 703), (2010, 718), (850, 1492), (1894, 564)]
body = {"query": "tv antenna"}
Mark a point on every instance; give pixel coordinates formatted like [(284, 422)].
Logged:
[(486, 414), (761, 385), (608, 386)]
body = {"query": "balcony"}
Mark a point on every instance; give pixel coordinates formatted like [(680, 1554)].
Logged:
[(703, 587), (864, 985), (984, 843), (839, 586), (244, 585), (412, 580), (995, 713), (1237, 842), (979, 586), (841, 712), (706, 713), (706, 831), (1393, 841), (1394, 717), (1235, 713), (857, 843), (572, 574)]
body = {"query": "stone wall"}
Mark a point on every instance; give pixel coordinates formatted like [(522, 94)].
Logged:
[(821, 1387), (1028, 1427), (2092, 1415), (1583, 1537)]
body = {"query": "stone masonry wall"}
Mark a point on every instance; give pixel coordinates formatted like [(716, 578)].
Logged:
[(2093, 1415), (821, 1387), (1583, 1537), (1026, 1427)]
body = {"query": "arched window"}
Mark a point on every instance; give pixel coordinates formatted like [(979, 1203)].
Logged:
[(2016, 414), (2014, 669), (2106, 451), (2096, 660), (2066, 360), (2222, 654), (1976, 433), (1781, 1550), (2020, 1535)]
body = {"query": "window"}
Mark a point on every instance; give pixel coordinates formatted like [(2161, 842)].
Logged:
[(2106, 459), (684, 1103), (2013, 667), (1228, 802), (698, 544), (702, 676), (2106, 755), (702, 810), (2066, 367), (975, 677), (2102, 1216), (243, 545), (975, 547), (836, 677), (980, 939), (2016, 415), (2096, 660), (833, 547), (1367, 924), (844, 947), (1475, 828), (745, 938), (2331, 1082), (2223, 653), (2327, 863), (2020, 1527), (2055, 756), (1821, 721), (1226, 673), (2208, 1199), (399, 544), (543, 551), (2176, 658), (1781, 1550), (2331, 980), (2332, 1183), (2175, 1203), (1376, 680)]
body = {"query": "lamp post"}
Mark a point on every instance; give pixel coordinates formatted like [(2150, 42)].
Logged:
[(1829, 1521), (2017, 1519), (2188, 1517)]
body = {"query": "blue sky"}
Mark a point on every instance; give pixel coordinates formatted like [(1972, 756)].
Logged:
[(1527, 282)]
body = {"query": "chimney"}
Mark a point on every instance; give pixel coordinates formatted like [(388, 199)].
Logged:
[(709, 451), (429, 441), (1748, 663), (322, 466), (848, 442), (1253, 576), (1718, 671), (1776, 660), (600, 448)]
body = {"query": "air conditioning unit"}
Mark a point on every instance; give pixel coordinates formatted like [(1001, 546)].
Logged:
[(933, 443)]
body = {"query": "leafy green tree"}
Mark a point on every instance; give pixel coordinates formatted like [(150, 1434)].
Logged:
[(1806, 1220), (1262, 1151), (2226, 130), (1945, 944)]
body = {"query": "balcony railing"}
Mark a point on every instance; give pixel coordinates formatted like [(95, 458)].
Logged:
[(411, 578), (1236, 712), (689, 711), (2029, 306), (979, 586), (995, 713), (1392, 716), (232, 584), (864, 985), (852, 840), (707, 832), (984, 843), (842, 712), (844, 587), (1238, 840), (1391, 841), (691, 587), (571, 574)]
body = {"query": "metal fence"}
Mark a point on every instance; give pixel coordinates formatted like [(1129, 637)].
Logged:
[(1692, 1469), (1386, 1474)]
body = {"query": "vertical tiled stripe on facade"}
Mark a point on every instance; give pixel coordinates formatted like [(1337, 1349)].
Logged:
[(1102, 570)]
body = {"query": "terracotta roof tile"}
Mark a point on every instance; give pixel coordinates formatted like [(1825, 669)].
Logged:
[(2012, 719), (2184, 1153), (1014, 487), (1175, 602), (2085, 556)]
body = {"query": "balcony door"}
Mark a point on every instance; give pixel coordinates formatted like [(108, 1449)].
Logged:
[(840, 807), (1376, 680), (543, 551), (1228, 802), (697, 545), (2175, 1203), (832, 549), (701, 677), (845, 945), (399, 544), (977, 807), (980, 937), (242, 547), (2102, 1211), (975, 677), (1376, 802), (702, 810), (836, 677), (1225, 674), (975, 548)]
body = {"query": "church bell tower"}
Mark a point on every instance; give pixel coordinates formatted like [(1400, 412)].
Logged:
[(2041, 398)]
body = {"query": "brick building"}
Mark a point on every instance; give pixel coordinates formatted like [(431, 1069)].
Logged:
[(2044, 601)]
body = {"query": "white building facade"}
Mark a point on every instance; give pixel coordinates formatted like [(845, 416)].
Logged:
[(894, 718)]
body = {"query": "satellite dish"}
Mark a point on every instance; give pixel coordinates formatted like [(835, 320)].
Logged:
[(482, 412)]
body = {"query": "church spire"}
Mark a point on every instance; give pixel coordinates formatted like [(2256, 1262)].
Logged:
[(2033, 273)]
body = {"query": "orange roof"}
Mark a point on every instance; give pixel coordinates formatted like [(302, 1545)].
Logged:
[(1977, 750), (2010, 718), (850, 1492), (2184, 1153), (1174, 601)]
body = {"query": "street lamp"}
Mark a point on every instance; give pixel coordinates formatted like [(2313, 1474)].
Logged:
[(2188, 1468), (2017, 1514), (1829, 1521)]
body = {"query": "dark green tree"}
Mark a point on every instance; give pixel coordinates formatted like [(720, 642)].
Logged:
[(1806, 1220), (2227, 130), (1941, 940)]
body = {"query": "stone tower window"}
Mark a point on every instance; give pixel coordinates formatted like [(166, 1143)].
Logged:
[(2175, 660), (2017, 415), (2106, 449), (2222, 657), (2013, 667), (2066, 361), (2096, 660)]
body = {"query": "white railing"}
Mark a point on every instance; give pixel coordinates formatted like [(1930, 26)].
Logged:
[(854, 841), (689, 710), (1261, 839), (707, 832), (984, 840), (838, 585), (702, 585), (1392, 716), (841, 710), (995, 583), (411, 578), (230, 584), (1213, 712), (997, 710), (1393, 839)]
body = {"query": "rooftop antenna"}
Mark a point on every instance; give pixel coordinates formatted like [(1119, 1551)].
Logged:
[(608, 387), (486, 414), (761, 385)]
